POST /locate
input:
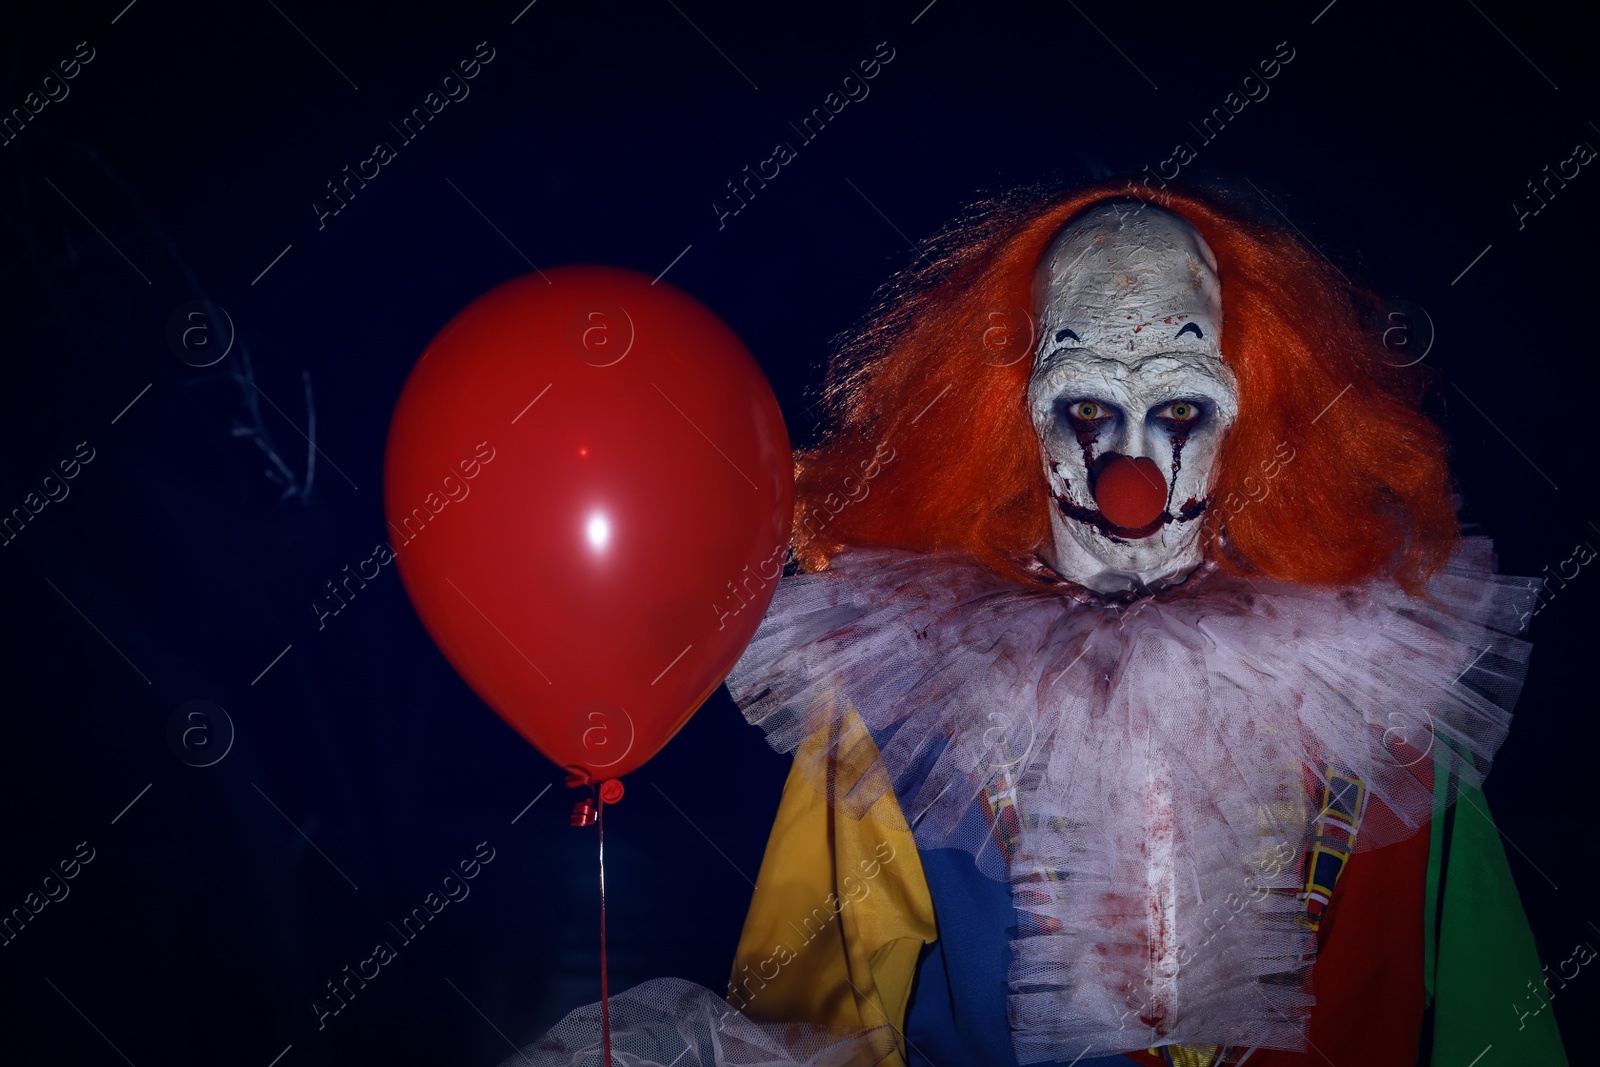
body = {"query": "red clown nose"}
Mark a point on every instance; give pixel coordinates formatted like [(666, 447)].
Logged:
[(1131, 493)]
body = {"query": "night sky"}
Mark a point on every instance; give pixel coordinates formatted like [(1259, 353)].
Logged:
[(181, 152)]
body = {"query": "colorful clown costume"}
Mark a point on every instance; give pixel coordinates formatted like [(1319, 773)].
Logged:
[(963, 849)]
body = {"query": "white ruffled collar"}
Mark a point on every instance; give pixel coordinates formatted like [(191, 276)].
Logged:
[(1156, 750)]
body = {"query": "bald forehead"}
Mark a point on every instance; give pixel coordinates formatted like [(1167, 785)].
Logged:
[(1129, 281)]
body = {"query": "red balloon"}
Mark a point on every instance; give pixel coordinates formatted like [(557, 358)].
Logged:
[(590, 487)]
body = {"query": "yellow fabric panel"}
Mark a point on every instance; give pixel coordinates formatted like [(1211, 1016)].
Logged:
[(1190, 1055), (839, 917)]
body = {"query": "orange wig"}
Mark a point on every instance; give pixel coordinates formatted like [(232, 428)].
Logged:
[(931, 446)]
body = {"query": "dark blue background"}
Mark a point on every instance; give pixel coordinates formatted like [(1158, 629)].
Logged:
[(196, 141)]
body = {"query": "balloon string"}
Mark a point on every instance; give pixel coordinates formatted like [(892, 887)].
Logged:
[(605, 997)]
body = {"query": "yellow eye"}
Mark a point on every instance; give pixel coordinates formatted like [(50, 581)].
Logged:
[(1179, 411)]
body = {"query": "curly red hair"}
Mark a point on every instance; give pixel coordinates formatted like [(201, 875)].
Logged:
[(931, 446)]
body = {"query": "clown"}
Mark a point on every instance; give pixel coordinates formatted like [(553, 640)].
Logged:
[(1139, 700)]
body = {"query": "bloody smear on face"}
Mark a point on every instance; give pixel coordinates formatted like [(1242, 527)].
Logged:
[(1178, 441), (1086, 439)]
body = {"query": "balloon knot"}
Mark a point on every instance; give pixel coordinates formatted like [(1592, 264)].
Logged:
[(584, 812)]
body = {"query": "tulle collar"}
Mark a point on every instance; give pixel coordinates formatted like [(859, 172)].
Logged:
[(1153, 751)]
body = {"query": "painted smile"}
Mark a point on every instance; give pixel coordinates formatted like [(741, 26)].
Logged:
[(1191, 510)]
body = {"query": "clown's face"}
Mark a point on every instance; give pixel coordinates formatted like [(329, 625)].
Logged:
[(1129, 395)]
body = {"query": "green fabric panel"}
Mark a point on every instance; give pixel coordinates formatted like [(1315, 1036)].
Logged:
[(1430, 902), (1486, 955)]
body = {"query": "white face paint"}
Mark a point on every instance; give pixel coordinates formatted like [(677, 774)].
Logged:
[(1129, 395)]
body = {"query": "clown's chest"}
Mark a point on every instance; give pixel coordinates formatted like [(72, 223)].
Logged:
[(992, 975)]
